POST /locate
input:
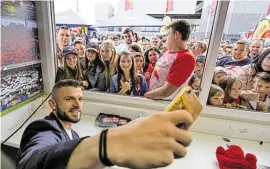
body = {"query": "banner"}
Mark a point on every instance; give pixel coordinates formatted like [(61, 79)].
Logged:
[(268, 10), (128, 5), (169, 6), (213, 7), (262, 30)]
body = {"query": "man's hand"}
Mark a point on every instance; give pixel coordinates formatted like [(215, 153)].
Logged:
[(147, 142), (150, 142)]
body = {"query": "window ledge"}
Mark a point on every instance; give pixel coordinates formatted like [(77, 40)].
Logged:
[(160, 105), (129, 101)]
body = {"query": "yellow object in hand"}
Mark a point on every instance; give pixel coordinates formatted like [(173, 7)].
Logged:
[(188, 100)]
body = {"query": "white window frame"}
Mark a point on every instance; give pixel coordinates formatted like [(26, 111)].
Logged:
[(48, 50)]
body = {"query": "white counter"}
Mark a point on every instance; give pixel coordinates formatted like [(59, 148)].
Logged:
[(201, 153)]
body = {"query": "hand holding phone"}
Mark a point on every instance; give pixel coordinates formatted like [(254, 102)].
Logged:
[(188, 100)]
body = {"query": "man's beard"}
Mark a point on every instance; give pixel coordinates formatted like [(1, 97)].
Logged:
[(62, 116)]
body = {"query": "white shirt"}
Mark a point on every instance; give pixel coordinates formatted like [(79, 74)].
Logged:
[(69, 134)]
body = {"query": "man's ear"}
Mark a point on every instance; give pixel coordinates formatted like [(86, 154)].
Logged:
[(52, 104), (177, 35)]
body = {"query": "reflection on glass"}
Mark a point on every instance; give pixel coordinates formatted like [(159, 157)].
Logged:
[(243, 63)]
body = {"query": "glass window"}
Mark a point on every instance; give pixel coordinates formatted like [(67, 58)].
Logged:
[(101, 67), (241, 78)]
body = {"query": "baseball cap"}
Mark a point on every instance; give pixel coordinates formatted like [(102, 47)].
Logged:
[(70, 49), (92, 46), (200, 58)]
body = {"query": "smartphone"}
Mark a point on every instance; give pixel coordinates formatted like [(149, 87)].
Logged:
[(188, 100)]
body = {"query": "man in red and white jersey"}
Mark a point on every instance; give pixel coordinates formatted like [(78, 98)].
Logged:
[(175, 67)]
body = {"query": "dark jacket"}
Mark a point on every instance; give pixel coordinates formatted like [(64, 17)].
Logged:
[(46, 145), (61, 74), (96, 78), (227, 61)]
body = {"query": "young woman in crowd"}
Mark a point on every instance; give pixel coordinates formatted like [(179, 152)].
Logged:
[(109, 58), (151, 56), (71, 69), (135, 47), (219, 72), (216, 96), (232, 88), (127, 81), (138, 60), (94, 67), (199, 49)]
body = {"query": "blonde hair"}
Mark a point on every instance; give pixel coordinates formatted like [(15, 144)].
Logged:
[(110, 67), (202, 45)]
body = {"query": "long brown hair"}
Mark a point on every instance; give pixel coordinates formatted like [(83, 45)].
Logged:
[(79, 75), (215, 90), (97, 61), (226, 83), (110, 67), (146, 57), (133, 75)]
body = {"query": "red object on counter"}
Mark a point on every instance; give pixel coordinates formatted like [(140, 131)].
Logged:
[(234, 158)]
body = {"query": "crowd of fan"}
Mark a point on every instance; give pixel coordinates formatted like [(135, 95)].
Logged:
[(17, 50), (19, 86), (241, 77), (124, 64)]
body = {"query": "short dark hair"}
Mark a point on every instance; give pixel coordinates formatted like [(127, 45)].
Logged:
[(182, 27), (63, 27), (128, 30), (77, 42), (136, 47), (64, 83), (264, 76)]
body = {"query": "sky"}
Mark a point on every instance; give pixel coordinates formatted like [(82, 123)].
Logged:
[(86, 7)]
